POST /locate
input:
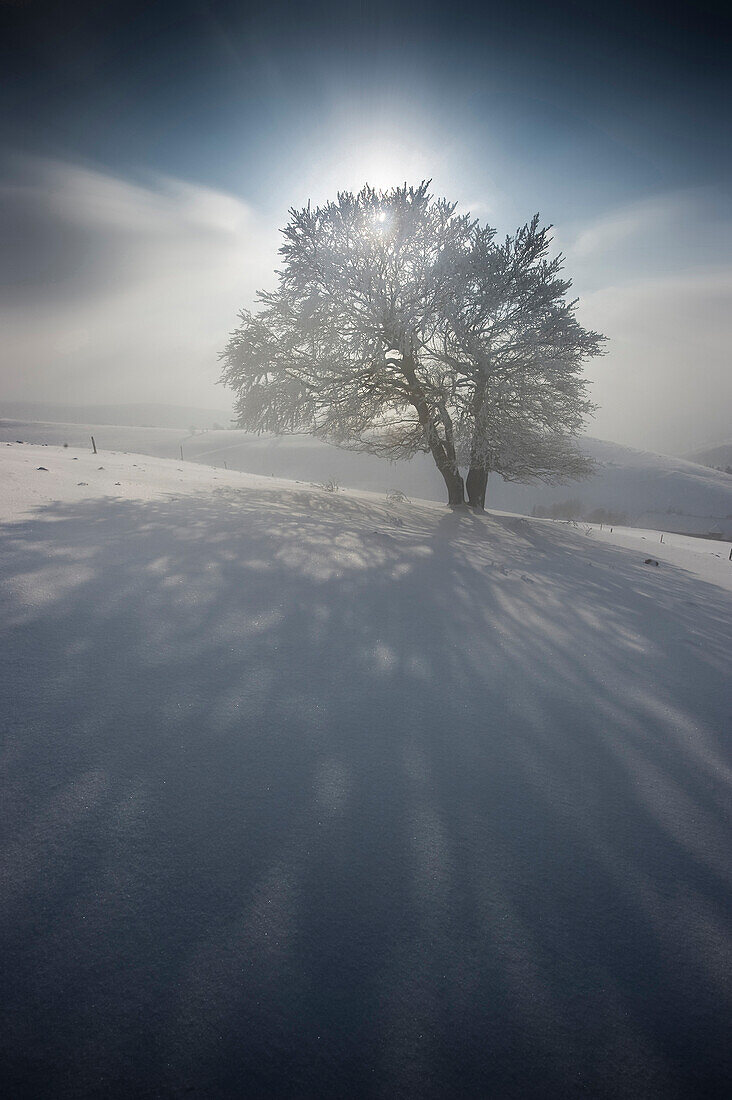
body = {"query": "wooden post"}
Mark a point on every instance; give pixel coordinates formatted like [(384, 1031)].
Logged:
[(661, 538), (181, 452), (94, 445)]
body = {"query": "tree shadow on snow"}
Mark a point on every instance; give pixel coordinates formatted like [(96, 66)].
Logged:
[(307, 796)]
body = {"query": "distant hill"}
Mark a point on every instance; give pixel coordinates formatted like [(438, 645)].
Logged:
[(638, 488), (135, 416), (719, 457)]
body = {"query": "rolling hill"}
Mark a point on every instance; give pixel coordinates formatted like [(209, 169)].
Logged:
[(637, 488)]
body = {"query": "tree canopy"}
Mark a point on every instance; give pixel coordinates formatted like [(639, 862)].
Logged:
[(399, 326)]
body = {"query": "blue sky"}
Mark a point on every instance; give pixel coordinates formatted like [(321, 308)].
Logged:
[(151, 151)]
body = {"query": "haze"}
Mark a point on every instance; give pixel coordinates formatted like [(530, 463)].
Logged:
[(151, 154)]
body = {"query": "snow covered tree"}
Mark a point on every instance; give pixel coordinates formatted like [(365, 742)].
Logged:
[(400, 326), (343, 347), (513, 339)]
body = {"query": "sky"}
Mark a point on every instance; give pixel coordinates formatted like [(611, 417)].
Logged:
[(149, 153)]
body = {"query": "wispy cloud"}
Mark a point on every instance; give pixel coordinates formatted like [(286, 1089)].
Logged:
[(120, 290)]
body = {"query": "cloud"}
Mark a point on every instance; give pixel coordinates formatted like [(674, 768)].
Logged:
[(656, 278), (119, 291), (618, 227), (665, 384), (658, 235)]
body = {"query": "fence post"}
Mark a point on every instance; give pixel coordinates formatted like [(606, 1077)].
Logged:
[(94, 445)]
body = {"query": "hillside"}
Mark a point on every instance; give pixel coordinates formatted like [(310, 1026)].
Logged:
[(635, 487), (341, 797), (718, 456), (135, 415)]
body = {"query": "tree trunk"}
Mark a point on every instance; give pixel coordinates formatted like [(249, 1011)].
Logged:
[(477, 479), (476, 484), (444, 461), (455, 487)]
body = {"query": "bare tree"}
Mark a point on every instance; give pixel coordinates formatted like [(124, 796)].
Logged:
[(400, 326)]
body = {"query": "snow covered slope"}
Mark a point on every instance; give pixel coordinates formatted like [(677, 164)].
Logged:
[(652, 490), (307, 794), (648, 490), (719, 455)]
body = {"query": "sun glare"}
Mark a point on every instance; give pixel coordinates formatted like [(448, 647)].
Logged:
[(382, 161)]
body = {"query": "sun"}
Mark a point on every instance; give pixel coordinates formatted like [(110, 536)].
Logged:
[(383, 160)]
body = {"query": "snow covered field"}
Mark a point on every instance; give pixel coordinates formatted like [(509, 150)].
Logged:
[(652, 490), (308, 794)]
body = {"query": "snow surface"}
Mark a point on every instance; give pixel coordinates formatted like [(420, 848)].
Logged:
[(309, 794), (658, 491)]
